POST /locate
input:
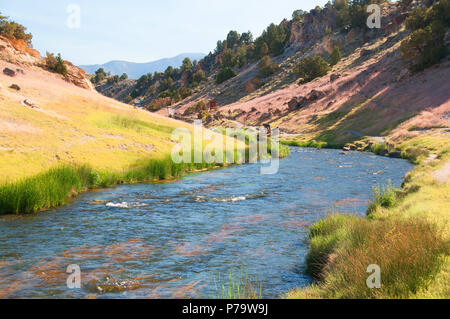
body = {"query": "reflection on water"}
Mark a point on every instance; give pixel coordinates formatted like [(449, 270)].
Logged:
[(170, 240)]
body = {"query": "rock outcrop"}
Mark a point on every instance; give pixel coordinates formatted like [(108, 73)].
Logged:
[(17, 52)]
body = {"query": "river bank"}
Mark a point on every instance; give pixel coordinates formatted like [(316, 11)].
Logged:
[(179, 239), (406, 233), (63, 183)]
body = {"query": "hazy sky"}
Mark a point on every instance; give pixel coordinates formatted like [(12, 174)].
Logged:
[(142, 31)]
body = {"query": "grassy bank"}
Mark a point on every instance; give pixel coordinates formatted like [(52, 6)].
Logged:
[(58, 185), (406, 233)]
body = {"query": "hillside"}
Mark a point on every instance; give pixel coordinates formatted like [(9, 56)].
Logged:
[(369, 92), (50, 121), (136, 70)]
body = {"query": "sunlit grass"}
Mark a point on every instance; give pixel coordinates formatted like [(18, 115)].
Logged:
[(238, 285), (409, 252), (407, 234)]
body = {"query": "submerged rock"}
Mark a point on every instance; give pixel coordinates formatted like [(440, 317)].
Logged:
[(111, 285)]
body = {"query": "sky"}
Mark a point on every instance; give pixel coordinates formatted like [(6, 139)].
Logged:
[(139, 30)]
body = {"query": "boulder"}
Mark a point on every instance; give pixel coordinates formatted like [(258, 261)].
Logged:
[(292, 104), (365, 52), (384, 153), (315, 95), (9, 72), (297, 103), (334, 77), (15, 87), (395, 155)]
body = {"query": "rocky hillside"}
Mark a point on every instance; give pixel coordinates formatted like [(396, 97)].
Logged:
[(48, 119), (370, 91), (19, 53)]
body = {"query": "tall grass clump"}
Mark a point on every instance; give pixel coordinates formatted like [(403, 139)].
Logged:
[(49, 189), (385, 196), (410, 252), (238, 285)]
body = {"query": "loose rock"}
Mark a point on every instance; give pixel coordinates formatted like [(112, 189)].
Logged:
[(9, 72)]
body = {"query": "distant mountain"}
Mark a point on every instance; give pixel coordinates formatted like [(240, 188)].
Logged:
[(136, 70)]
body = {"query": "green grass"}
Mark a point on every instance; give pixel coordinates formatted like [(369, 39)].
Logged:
[(135, 124), (57, 186), (410, 253), (238, 285), (385, 196), (407, 235), (309, 144)]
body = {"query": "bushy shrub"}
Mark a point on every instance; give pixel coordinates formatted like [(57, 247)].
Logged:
[(424, 47), (267, 67), (228, 59), (426, 44), (100, 75), (56, 64), (225, 74), (335, 56), (275, 37), (199, 76), (385, 197), (310, 68), (11, 29), (197, 108)]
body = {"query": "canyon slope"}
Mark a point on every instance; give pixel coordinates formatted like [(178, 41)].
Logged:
[(47, 119)]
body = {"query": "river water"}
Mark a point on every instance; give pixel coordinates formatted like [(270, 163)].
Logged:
[(172, 240)]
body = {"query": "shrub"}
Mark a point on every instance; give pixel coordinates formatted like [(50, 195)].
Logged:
[(424, 47), (56, 64), (310, 68), (184, 92), (225, 74), (228, 59), (298, 15), (335, 56), (123, 77), (385, 197), (100, 75), (267, 67), (11, 29), (199, 76), (197, 108), (275, 37), (417, 19)]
